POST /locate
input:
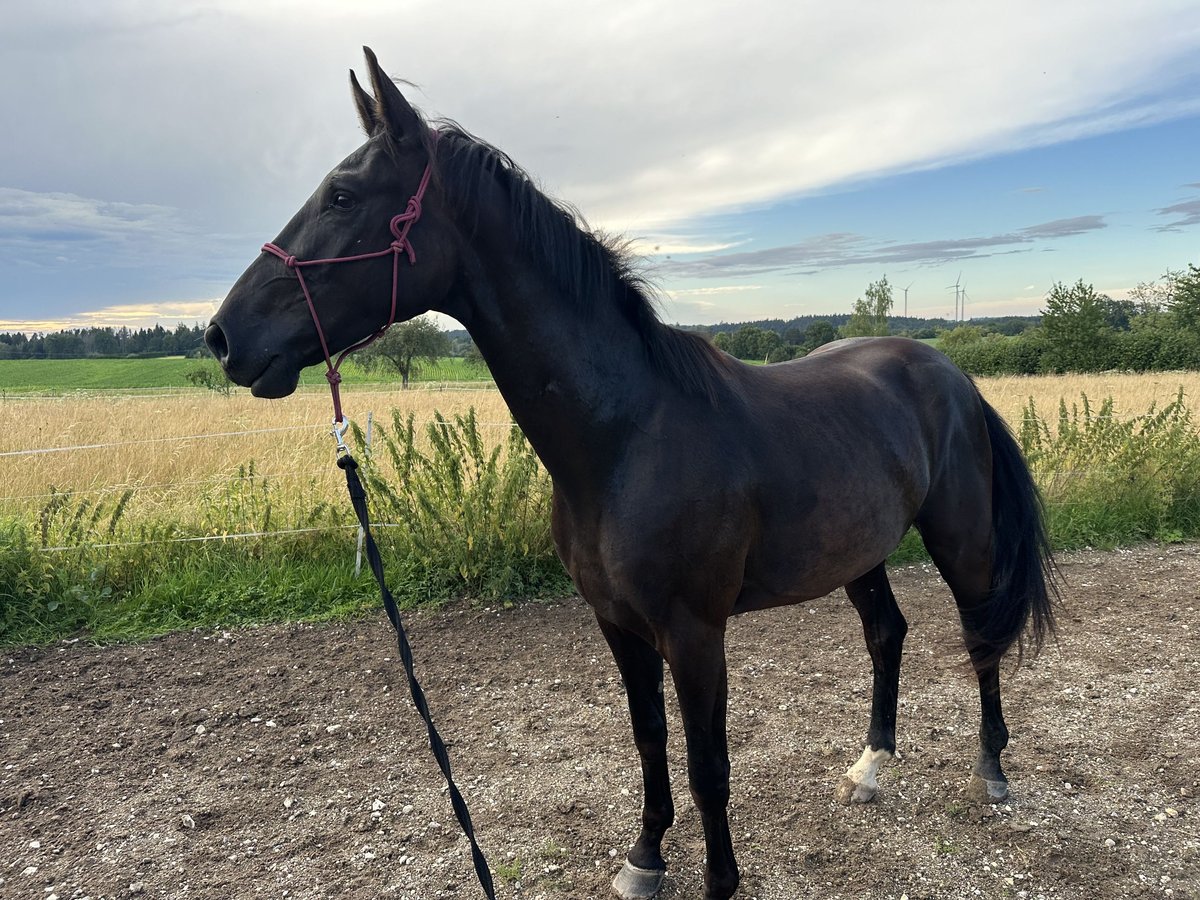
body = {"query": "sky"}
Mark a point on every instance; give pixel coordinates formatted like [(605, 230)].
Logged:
[(768, 159)]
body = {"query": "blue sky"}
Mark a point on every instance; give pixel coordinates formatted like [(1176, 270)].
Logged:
[(769, 161)]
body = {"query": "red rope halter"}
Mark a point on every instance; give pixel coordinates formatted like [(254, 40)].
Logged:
[(400, 226)]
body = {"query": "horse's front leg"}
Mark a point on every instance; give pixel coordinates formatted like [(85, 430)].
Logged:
[(642, 671), (696, 653)]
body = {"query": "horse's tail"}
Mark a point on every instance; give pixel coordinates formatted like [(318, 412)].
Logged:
[(1024, 587)]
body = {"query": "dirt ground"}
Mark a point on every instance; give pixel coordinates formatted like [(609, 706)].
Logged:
[(289, 762)]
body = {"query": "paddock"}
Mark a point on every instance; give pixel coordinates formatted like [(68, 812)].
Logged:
[(287, 761)]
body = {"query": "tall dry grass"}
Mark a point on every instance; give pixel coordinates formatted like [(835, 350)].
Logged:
[(1132, 394), (171, 476), (140, 433)]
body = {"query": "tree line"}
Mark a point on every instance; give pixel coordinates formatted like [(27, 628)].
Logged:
[(80, 343), (1079, 330), (1157, 328)]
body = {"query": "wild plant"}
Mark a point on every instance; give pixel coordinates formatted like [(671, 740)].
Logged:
[(462, 515), (1109, 479)]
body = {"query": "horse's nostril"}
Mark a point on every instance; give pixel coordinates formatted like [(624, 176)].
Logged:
[(215, 338)]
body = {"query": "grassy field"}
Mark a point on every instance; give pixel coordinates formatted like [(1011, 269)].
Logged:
[(18, 376), (123, 534)]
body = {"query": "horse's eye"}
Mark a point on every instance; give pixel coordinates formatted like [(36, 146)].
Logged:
[(342, 200)]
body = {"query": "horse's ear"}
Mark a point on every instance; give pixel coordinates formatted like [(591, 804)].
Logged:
[(393, 111), (368, 114)]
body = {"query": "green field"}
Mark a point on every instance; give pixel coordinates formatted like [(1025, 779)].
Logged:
[(65, 375)]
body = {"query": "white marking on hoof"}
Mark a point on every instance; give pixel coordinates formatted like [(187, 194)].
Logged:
[(984, 790), (859, 784), (636, 883)]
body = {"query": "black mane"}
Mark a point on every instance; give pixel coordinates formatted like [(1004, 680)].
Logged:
[(585, 264)]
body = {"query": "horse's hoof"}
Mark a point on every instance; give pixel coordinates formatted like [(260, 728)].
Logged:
[(984, 790), (635, 883), (850, 791)]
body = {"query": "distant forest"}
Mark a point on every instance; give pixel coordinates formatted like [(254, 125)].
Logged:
[(909, 326), (80, 343)]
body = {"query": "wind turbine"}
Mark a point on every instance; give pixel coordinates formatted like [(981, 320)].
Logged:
[(910, 284), (957, 291)]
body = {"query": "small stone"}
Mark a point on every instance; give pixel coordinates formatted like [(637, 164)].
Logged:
[(30, 870), (187, 821), (407, 808), (35, 845), (1171, 811), (1109, 842), (287, 802), (136, 888), (377, 806), (200, 729)]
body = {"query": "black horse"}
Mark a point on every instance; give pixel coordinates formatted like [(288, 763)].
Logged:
[(688, 487)]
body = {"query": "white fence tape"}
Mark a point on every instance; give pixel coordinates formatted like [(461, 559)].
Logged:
[(39, 451), (214, 537)]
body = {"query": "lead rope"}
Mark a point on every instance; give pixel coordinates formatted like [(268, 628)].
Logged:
[(358, 499), (400, 225)]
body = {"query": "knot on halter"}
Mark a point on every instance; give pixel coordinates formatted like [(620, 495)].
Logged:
[(400, 225), (334, 377), (275, 250)]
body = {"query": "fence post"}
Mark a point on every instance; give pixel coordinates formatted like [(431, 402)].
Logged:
[(366, 452)]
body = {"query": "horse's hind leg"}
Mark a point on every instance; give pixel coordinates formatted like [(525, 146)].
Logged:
[(963, 556), (641, 669), (884, 628)]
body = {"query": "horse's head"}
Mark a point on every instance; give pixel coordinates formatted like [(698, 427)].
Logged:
[(264, 332)]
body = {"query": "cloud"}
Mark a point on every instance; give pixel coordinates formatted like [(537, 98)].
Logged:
[(133, 315), (689, 304), (1189, 210), (640, 115), (62, 226), (1065, 227), (673, 245), (61, 251), (831, 251)]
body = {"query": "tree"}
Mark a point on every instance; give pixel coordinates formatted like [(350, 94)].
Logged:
[(752, 342), (1184, 305), (870, 315), (959, 336), (1075, 323), (407, 348), (209, 375), (817, 334), (1155, 296)]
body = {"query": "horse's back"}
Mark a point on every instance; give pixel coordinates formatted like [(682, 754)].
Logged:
[(850, 443)]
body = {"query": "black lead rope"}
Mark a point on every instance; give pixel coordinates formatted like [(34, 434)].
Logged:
[(358, 498)]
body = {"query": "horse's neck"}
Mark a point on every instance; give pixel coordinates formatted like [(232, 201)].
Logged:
[(573, 370)]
